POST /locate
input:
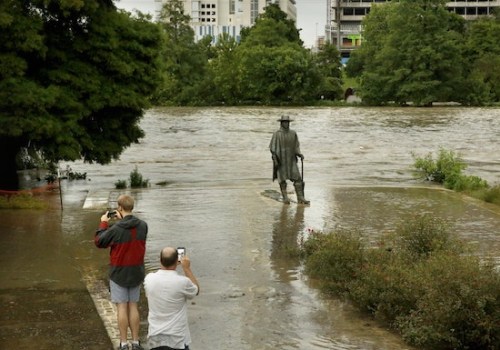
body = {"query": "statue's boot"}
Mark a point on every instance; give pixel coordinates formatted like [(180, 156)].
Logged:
[(299, 189), (283, 193)]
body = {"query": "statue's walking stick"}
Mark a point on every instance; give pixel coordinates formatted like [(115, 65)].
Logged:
[(303, 182)]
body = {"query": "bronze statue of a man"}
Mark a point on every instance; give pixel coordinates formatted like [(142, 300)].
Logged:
[(285, 149)]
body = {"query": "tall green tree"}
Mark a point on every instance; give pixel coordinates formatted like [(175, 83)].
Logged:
[(412, 52), (222, 70), (483, 51), (328, 62), (75, 77), (272, 28), (185, 61), (272, 75), (272, 66)]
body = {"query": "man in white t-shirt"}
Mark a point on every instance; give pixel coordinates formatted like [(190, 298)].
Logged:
[(167, 292)]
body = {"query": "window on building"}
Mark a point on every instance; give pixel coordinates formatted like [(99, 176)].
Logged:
[(346, 42), (232, 7), (482, 11), (460, 10), (471, 10), (254, 10), (348, 11)]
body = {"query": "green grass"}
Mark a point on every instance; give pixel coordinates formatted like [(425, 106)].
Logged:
[(21, 201)]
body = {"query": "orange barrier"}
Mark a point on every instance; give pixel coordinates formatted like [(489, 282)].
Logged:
[(33, 191)]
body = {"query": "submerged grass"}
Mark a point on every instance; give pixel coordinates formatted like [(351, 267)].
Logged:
[(22, 201)]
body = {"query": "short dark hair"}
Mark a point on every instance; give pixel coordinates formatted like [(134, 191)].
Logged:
[(168, 260)]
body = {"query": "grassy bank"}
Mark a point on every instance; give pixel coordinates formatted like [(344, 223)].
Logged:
[(22, 201)]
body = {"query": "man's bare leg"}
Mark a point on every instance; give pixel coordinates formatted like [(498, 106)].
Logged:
[(123, 321), (134, 320)]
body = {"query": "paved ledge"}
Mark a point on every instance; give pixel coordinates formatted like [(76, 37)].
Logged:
[(97, 199), (105, 308)]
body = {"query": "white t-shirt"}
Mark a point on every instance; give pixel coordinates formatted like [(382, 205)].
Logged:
[(167, 292)]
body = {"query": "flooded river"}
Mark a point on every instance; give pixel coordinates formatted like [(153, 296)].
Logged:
[(207, 169)]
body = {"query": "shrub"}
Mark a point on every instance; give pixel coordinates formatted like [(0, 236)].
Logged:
[(76, 176), (120, 184), (426, 168), (447, 166), (335, 259), (458, 307), (423, 235), (418, 280), (136, 179), (447, 170), (489, 195), (384, 288)]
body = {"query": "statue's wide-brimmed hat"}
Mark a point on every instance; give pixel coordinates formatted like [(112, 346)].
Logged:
[(285, 118)]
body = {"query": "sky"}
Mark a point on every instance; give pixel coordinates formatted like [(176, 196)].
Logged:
[(311, 16)]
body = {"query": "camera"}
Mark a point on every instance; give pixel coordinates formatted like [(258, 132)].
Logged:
[(181, 251), (112, 214)]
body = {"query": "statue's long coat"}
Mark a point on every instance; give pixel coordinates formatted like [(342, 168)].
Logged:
[(285, 145)]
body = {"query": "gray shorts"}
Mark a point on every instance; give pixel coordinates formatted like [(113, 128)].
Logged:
[(121, 294)]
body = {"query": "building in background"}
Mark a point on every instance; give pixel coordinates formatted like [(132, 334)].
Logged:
[(215, 17), (344, 17)]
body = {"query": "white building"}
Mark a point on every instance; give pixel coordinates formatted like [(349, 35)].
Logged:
[(214, 17)]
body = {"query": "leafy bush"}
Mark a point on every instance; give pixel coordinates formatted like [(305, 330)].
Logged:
[(120, 184), (465, 183), (491, 195), (136, 179), (458, 306), (422, 236), (418, 280), (335, 259), (76, 176), (447, 166), (447, 170)]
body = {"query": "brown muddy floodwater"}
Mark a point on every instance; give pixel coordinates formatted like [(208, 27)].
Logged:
[(207, 169)]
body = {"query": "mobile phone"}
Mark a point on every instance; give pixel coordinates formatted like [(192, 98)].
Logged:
[(181, 251)]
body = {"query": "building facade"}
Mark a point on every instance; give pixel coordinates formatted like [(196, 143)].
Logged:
[(215, 17), (344, 18)]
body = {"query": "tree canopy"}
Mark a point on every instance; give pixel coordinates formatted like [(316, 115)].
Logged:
[(412, 52), (268, 66), (417, 51), (75, 77)]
